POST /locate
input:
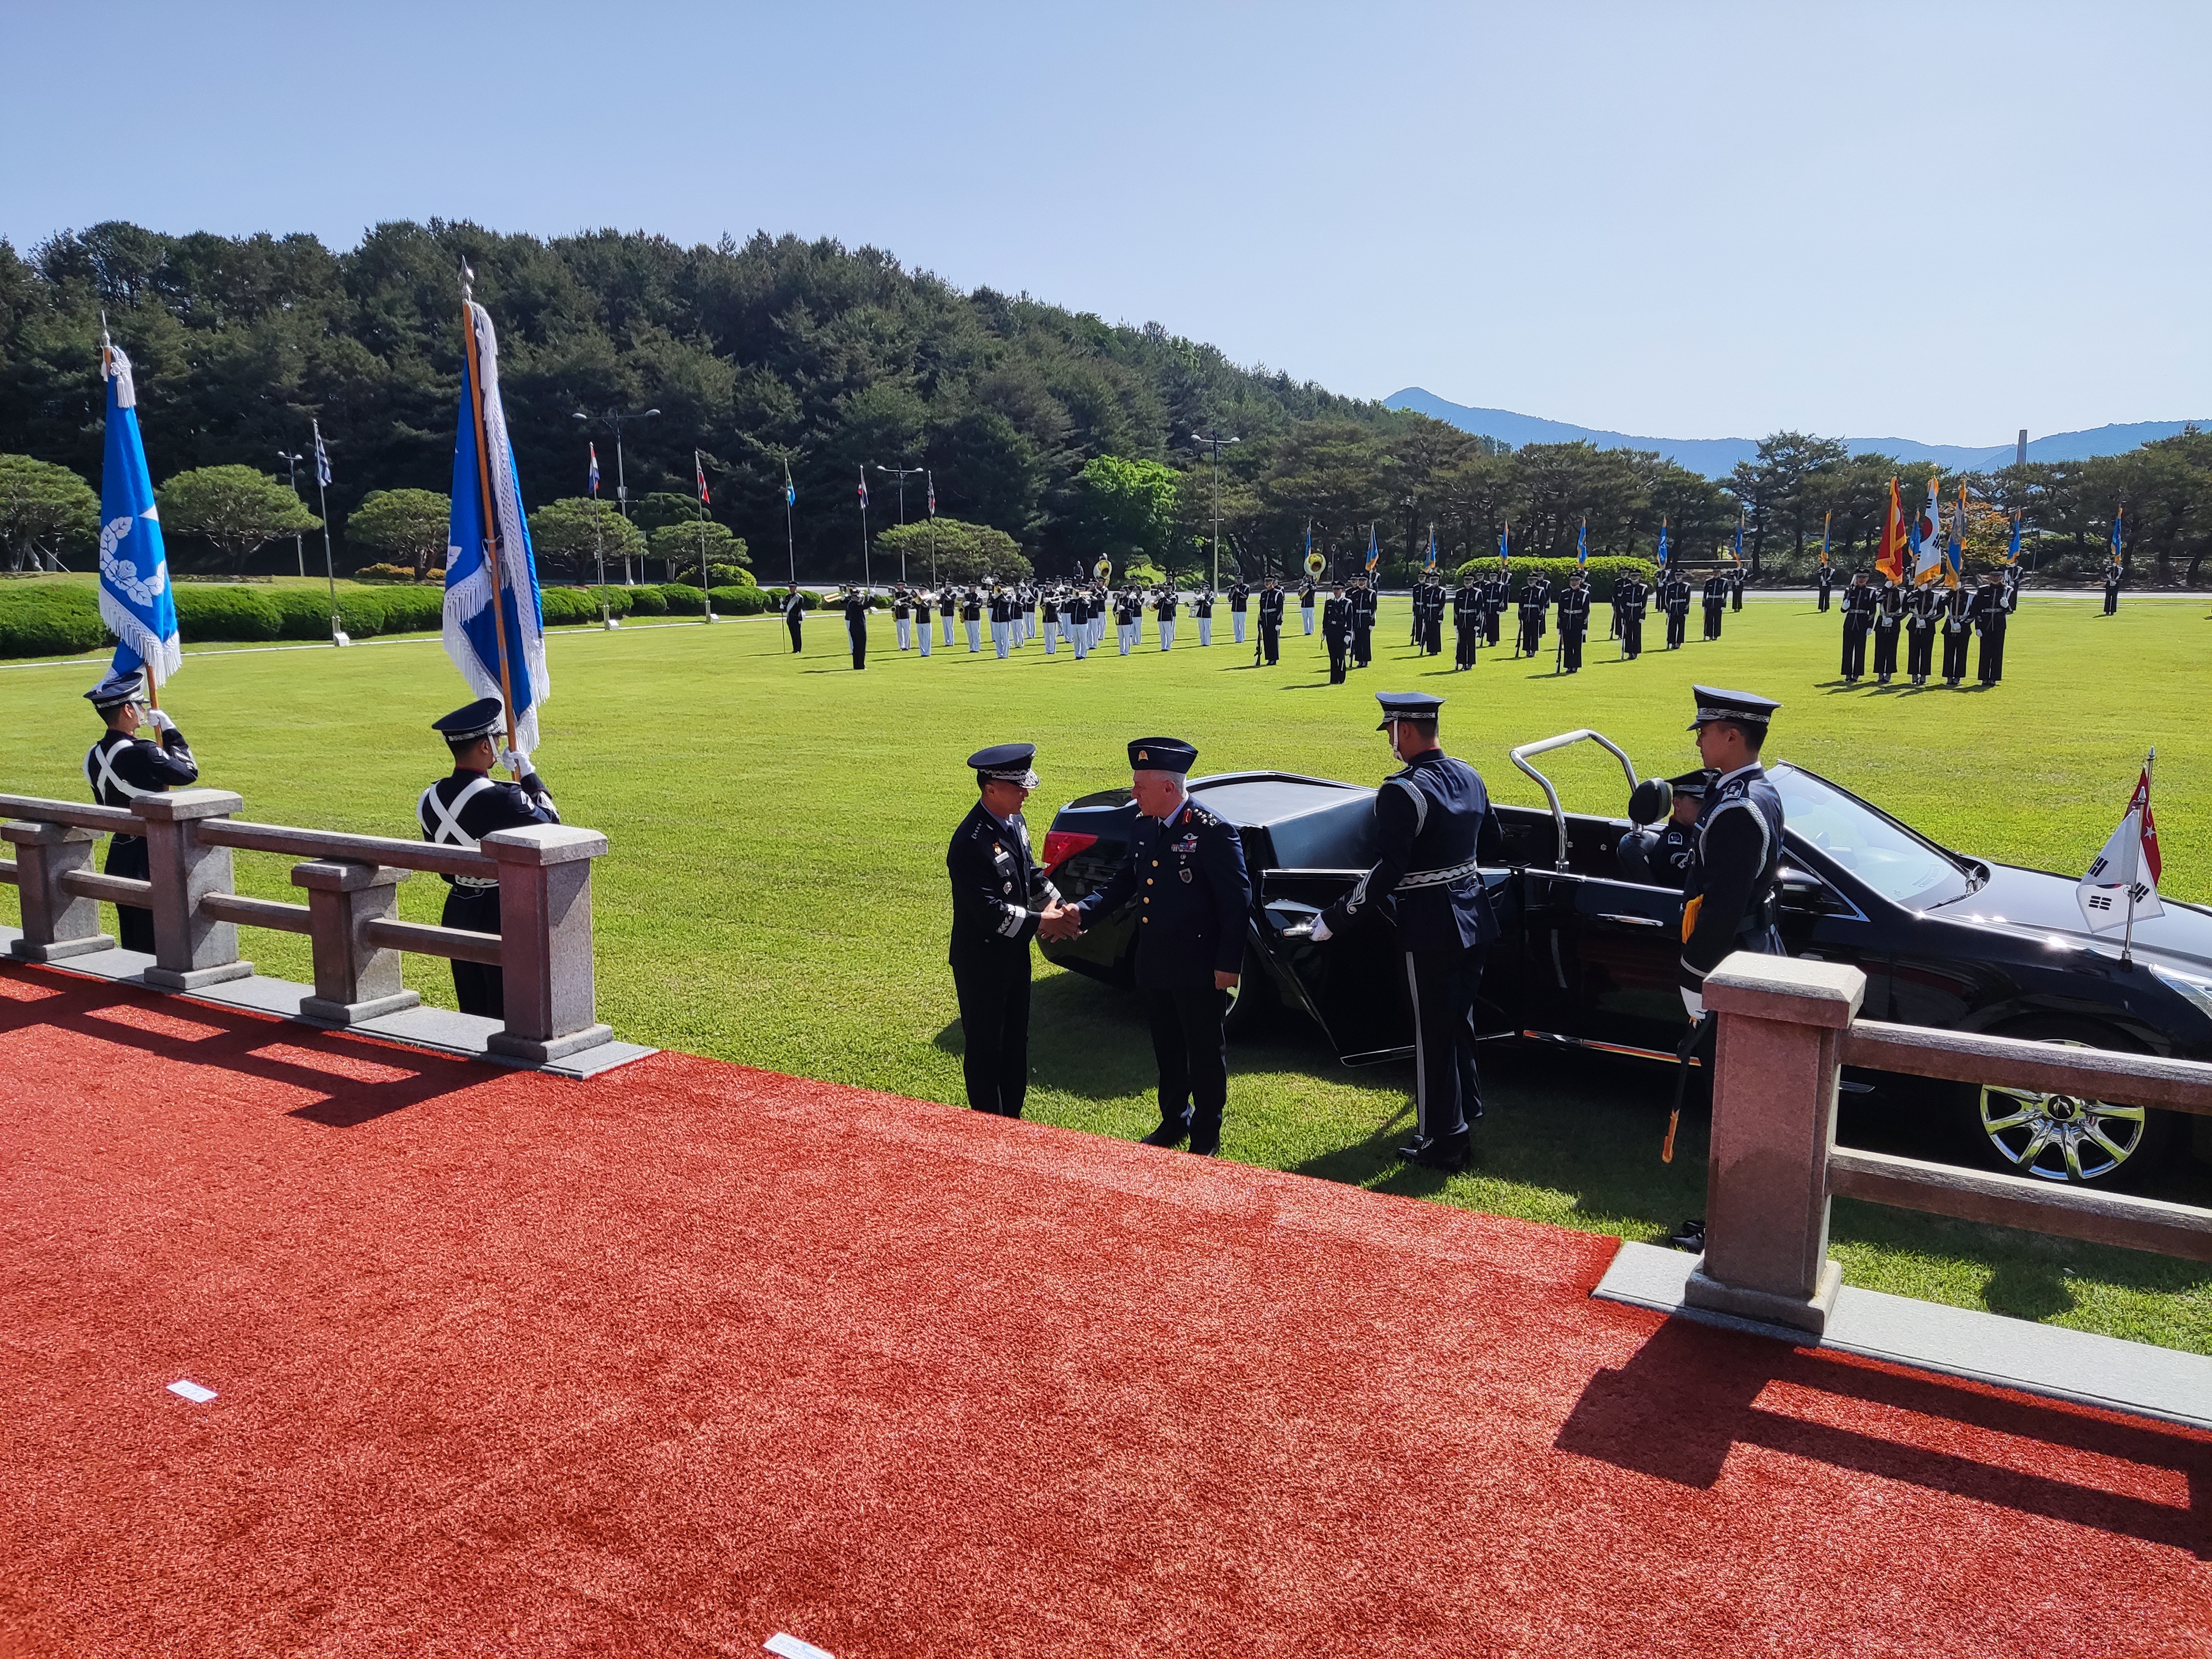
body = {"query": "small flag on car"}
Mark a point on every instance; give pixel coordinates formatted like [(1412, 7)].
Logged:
[(2121, 886)]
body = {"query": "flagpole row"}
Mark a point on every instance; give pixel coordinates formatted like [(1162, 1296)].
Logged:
[(483, 495)]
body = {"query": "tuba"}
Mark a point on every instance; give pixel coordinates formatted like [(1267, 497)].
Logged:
[(1316, 564), (1103, 570)]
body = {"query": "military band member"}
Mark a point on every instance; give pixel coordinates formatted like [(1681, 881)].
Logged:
[(1920, 633), (1433, 826), (460, 810), (971, 619), (1958, 628), (1467, 621), (1728, 888), (1674, 598), (902, 615), (1660, 856), (1002, 623), (1336, 632), (122, 766), (1889, 614), (947, 603), (1202, 608), (1988, 614), (794, 612), (1240, 595), (1306, 605), (1631, 593), (2112, 590), (1000, 898), (1271, 620), (1827, 579), (856, 625), (1859, 604), (1716, 597), (1164, 608), (1077, 609), (1049, 609), (1574, 623), (1186, 869), (1128, 609)]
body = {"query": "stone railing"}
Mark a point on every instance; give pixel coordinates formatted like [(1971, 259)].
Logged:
[(544, 947), (1787, 1029)]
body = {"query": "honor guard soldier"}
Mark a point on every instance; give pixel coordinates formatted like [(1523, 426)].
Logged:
[(1240, 595), (1186, 869), (1432, 626), (1988, 613), (1858, 619), (460, 810), (1361, 600), (1433, 828), (122, 766), (922, 599), (794, 613), (1716, 597), (1889, 614), (999, 899), (1574, 623), (2112, 589), (1336, 632), (1271, 620), (1827, 579), (1958, 628), (1675, 597), (856, 625), (1735, 586), (1660, 856), (1467, 621), (2012, 580), (1631, 594), (1534, 603), (1920, 632), (1728, 890), (1500, 592)]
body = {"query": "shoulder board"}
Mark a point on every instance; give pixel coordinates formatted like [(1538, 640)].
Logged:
[(1202, 818)]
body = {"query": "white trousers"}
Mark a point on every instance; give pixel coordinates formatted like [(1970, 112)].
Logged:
[(974, 635), (1002, 635), (1128, 632), (922, 634), (1206, 631), (1305, 614), (1080, 639), (905, 631), (1167, 632), (947, 620), (1050, 630), (1237, 625)]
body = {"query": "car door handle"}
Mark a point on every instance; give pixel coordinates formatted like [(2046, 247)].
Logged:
[(1633, 922)]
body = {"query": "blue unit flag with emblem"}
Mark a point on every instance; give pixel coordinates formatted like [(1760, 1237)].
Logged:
[(136, 602), (477, 590)]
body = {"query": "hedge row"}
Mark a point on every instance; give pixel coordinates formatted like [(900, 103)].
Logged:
[(1602, 573), (46, 619)]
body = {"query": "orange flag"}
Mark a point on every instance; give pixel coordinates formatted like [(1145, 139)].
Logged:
[(1890, 561)]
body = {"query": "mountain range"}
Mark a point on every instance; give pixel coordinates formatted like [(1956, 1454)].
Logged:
[(1716, 458)]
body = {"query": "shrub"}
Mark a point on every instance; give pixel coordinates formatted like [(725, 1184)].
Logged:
[(740, 601), (226, 613), (645, 601), (303, 613), (617, 598), (731, 575), (684, 600), (409, 609), (50, 620), (397, 572), (565, 606), (1602, 573)]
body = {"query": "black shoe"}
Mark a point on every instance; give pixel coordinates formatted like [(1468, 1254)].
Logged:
[(1171, 1133), (1448, 1155), (1690, 1236), (1205, 1148)]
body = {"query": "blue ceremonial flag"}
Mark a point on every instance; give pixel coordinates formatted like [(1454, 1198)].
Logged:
[(1431, 564), (1374, 553), (1739, 541), (791, 494), (1505, 544), (495, 622), (2012, 552), (2117, 513), (1581, 543), (1662, 545), (134, 599)]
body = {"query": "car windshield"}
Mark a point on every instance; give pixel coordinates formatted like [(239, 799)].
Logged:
[(1880, 850)]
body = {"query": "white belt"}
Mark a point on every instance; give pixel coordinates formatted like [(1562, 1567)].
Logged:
[(1433, 877)]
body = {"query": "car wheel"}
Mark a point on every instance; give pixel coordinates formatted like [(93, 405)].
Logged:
[(2064, 1138)]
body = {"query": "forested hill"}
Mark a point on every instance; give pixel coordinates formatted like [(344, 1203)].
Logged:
[(773, 349)]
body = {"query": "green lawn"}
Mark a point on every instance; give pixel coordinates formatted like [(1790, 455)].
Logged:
[(776, 892)]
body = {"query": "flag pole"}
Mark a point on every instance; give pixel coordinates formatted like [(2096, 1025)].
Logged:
[(2128, 939), (107, 374), (484, 497)]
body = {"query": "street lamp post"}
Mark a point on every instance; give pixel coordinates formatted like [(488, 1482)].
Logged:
[(1215, 442), (902, 473), (299, 544), (621, 484)]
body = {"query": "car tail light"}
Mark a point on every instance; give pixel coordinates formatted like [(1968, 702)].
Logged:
[(1061, 845)]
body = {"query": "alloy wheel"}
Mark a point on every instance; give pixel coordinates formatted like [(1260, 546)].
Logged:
[(2056, 1137)]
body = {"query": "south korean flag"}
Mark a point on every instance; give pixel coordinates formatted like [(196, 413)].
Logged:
[(2122, 883)]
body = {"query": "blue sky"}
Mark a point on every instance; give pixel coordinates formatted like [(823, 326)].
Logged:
[(1936, 222)]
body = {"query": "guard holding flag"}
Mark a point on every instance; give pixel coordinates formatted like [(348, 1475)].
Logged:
[(461, 810), (122, 766)]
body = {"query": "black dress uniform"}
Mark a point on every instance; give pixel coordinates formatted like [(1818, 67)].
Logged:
[(1499, 591), (1432, 629), (460, 810), (1363, 623), (120, 768), (1660, 854), (1888, 613), (1630, 595), (999, 896), (1187, 873), (1988, 614), (856, 627), (1958, 628), (1574, 625), (1336, 633), (794, 612), (1240, 595), (1271, 621), (1674, 596), (1920, 634), (1858, 617), (1535, 601), (1467, 622), (1433, 826), (1735, 588), (1728, 889), (2112, 589), (1828, 581), (1716, 597)]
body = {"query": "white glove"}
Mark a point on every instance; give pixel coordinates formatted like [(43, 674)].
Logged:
[(1320, 933), (1694, 1003), (515, 762), (160, 721)]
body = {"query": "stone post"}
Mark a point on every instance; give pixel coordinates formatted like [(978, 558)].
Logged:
[(545, 940), (190, 949), (1775, 1066), (354, 980), (55, 924)]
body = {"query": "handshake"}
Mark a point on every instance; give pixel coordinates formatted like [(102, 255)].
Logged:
[(1058, 921)]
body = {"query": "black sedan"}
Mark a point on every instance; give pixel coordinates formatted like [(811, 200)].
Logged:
[(1587, 956)]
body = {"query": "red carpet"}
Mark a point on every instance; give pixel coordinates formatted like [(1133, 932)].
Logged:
[(669, 1361)]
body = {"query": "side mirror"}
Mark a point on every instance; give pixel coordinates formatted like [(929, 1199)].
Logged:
[(1800, 891), (1650, 801)]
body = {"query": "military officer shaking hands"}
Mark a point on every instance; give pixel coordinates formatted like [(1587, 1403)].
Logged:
[(1186, 868), (1000, 900)]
